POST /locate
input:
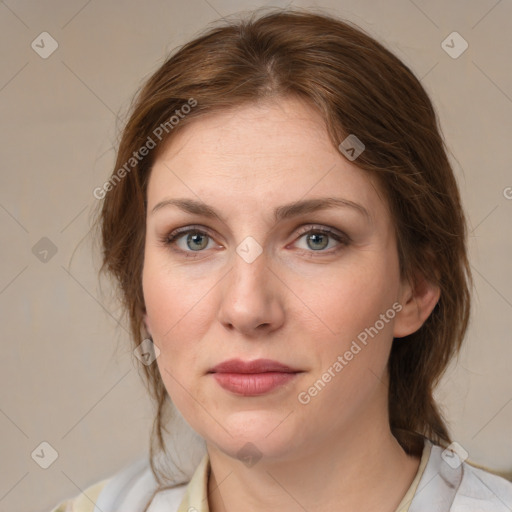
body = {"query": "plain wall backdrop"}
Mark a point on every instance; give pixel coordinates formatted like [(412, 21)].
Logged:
[(64, 382)]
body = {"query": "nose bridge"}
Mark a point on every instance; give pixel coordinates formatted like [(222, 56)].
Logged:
[(250, 295), (249, 277)]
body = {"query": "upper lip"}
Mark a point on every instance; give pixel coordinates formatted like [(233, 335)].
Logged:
[(255, 366)]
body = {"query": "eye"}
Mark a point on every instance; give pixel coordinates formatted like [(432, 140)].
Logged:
[(197, 240), (317, 239)]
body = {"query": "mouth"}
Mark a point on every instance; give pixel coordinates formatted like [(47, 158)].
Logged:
[(256, 366), (252, 378)]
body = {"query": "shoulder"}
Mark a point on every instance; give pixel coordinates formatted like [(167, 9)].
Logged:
[(450, 483), (448, 480), (483, 491), (128, 490), (131, 488), (85, 502), (108, 494)]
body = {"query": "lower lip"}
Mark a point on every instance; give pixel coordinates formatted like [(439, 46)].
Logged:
[(253, 384)]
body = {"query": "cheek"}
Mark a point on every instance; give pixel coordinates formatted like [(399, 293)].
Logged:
[(173, 297), (354, 319), (174, 320), (345, 301), (344, 317)]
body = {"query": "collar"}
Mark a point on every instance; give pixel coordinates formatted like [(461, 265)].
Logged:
[(196, 495)]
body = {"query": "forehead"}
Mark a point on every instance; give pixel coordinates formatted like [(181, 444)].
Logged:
[(259, 154)]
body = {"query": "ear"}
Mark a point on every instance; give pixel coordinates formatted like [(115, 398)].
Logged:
[(418, 301)]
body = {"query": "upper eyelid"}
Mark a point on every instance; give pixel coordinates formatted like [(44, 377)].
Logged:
[(303, 228)]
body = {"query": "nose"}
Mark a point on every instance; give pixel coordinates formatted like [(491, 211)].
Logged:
[(252, 298)]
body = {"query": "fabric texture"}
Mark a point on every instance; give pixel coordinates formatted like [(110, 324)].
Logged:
[(403, 506), (85, 502), (443, 483)]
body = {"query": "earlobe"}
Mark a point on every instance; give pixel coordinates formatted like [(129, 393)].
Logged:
[(417, 302)]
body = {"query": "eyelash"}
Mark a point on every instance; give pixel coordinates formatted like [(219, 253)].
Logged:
[(170, 239)]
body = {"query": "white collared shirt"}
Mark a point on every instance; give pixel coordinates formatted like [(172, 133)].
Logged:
[(443, 483)]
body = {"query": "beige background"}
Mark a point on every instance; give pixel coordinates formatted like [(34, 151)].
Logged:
[(63, 381)]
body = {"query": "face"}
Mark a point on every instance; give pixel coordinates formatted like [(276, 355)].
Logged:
[(244, 276)]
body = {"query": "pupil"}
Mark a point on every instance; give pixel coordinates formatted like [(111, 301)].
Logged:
[(315, 236), (194, 238)]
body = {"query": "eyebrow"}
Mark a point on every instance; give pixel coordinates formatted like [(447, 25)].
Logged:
[(283, 212)]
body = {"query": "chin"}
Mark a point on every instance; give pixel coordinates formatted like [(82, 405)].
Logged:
[(255, 435)]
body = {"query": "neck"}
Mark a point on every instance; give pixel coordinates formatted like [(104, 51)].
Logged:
[(366, 471)]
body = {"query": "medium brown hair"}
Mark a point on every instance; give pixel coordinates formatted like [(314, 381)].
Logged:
[(359, 87)]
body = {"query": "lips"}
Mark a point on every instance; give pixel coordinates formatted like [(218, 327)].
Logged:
[(252, 378), (256, 366)]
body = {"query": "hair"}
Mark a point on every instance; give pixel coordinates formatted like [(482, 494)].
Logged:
[(359, 87)]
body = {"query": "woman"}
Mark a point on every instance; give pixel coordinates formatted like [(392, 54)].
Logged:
[(289, 243)]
